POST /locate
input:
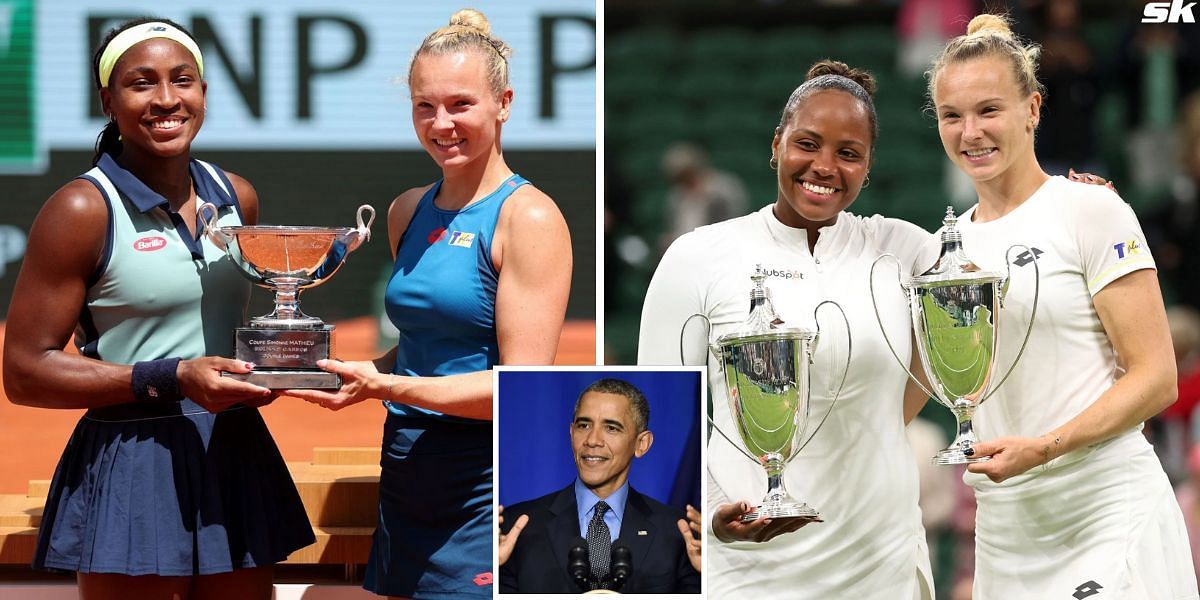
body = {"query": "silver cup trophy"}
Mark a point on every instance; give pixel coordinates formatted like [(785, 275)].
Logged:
[(768, 386), (286, 344), (954, 307)]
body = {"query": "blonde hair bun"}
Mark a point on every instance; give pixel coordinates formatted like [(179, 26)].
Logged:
[(989, 23), (471, 18)]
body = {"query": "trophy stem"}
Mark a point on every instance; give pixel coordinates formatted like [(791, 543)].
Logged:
[(778, 503), (955, 454), (287, 306)]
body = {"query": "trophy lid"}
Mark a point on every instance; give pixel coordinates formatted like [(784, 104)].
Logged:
[(763, 323), (953, 267)]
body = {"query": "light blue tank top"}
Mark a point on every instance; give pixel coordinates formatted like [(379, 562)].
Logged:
[(159, 291), (442, 294)]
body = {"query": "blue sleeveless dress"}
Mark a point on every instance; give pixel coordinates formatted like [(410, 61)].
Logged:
[(434, 538), (166, 488)]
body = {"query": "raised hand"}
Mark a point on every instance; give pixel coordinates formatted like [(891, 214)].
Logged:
[(509, 540), (690, 531)]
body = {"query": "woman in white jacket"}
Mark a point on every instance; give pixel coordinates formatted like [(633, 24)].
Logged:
[(858, 471)]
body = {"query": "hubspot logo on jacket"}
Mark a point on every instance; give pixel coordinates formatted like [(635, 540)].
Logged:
[(150, 244)]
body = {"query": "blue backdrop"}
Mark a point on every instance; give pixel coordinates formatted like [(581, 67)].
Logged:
[(535, 438)]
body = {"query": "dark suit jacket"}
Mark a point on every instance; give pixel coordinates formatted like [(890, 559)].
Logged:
[(538, 563)]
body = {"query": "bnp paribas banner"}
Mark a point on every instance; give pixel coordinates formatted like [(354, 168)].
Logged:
[(292, 74)]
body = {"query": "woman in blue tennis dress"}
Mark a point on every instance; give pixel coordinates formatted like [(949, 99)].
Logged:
[(170, 485), (482, 271)]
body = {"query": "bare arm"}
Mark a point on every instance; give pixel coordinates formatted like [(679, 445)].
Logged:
[(1131, 310), (46, 304), (65, 244), (534, 260)]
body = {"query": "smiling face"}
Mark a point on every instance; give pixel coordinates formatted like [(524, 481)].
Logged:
[(156, 96), (605, 440), (824, 153), (985, 122), (455, 113)]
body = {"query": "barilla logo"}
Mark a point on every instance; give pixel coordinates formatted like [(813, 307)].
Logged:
[(436, 235), (462, 239), (150, 244), (1126, 248), (483, 579), (1174, 11)]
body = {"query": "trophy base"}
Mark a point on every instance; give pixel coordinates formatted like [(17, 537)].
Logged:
[(285, 358), (784, 511), (955, 456), (289, 380)]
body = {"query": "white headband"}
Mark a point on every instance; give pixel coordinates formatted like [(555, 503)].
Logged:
[(140, 33)]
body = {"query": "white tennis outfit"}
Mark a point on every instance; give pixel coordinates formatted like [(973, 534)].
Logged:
[(858, 471), (1102, 521)]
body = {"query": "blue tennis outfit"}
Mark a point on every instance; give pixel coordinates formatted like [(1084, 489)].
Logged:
[(166, 488), (434, 538)]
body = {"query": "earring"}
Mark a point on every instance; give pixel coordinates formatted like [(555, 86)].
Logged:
[(866, 182), (774, 162)]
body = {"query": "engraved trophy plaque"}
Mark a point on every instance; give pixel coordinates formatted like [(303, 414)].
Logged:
[(955, 318), (286, 344), (768, 387)]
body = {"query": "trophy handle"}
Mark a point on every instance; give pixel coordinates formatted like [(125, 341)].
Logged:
[(362, 233), (879, 319), (711, 350), (1037, 288), (214, 231), (846, 371)]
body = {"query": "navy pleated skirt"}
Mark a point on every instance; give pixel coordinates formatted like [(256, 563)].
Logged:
[(434, 538), (170, 489)]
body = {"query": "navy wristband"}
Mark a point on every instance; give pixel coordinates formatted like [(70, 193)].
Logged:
[(155, 380)]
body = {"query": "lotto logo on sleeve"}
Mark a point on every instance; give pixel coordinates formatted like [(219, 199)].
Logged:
[(462, 239), (150, 244), (1127, 248)]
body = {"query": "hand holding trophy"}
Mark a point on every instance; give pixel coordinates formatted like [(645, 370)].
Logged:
[(768, 386), (285, 345), (955, 318)]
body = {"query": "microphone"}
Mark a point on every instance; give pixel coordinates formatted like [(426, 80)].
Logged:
[(578, 565), (621, 568)]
